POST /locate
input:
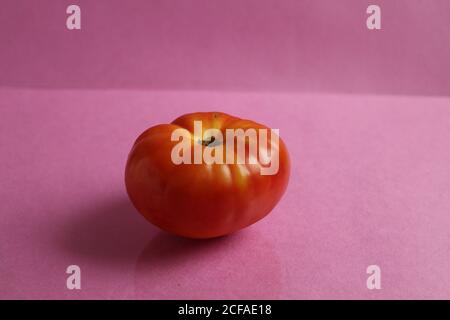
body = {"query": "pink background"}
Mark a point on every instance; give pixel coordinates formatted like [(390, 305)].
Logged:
[(264, 45), (365, 115)]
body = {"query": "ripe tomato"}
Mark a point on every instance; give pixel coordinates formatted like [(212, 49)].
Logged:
[(209, 199)]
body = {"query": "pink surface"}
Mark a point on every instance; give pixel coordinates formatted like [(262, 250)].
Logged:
[(282, 45), (370, 184)]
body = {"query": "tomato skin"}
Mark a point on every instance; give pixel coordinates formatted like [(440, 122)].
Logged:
[(200, 200)]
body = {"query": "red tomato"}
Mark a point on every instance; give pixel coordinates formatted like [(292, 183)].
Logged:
[(209, 199)]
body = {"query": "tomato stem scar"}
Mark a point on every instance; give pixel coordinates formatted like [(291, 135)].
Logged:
[(208, 142)]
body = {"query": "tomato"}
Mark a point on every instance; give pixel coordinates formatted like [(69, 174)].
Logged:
[(207, 199)]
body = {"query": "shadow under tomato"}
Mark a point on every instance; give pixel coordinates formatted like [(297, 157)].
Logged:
[(243, 265), (111, 232)]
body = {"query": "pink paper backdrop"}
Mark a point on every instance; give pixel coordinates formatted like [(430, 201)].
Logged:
[(370, 179), (288, 45)]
